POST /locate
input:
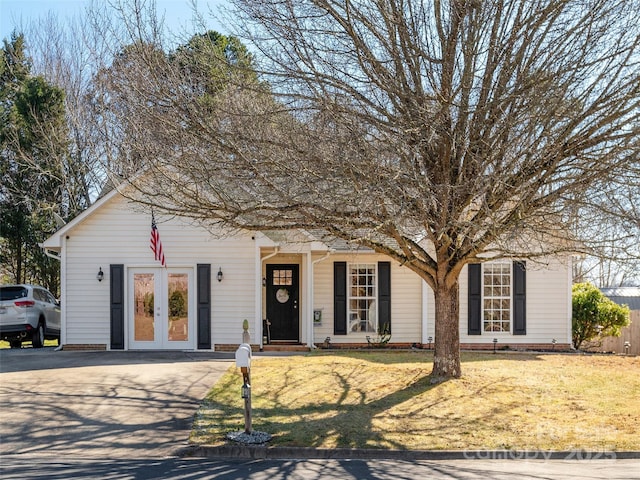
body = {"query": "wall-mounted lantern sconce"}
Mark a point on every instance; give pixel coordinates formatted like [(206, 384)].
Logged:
[(264, 282), (220, 275), (100, 275)]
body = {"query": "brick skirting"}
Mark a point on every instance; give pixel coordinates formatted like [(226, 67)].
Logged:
[(520, 347), (84, 346), (231, 347)]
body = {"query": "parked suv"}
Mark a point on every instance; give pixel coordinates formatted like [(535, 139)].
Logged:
[(28, 312)]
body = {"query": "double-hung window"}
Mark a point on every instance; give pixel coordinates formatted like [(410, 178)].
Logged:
[(362, 297), (496, 298)]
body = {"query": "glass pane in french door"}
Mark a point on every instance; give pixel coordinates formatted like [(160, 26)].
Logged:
[(144, 307), (178, 297)]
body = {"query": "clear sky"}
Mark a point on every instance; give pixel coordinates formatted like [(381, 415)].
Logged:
[(14, 13)]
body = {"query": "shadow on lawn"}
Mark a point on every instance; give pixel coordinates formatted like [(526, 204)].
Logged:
[(347, 423)]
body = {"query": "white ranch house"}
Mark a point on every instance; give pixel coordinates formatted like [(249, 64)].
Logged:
[(308, 290)]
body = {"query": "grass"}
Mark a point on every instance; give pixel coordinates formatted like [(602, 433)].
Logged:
[(47, 343), (385, 400)]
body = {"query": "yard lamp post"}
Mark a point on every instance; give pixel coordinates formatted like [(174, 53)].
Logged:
[(553, 344), (430, 340), (627, 345), (495, 341)]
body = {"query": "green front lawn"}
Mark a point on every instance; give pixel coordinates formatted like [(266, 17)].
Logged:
[(385, 400)]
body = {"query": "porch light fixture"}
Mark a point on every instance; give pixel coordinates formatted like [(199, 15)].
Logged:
[(220, 275), (495, 341), (100, 275)]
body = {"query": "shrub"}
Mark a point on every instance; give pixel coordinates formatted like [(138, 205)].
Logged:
[(595, 315)]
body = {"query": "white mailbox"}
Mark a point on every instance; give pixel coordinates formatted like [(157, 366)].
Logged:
[(243, 355)]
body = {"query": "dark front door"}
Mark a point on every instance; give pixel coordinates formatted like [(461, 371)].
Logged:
[(282, 302)]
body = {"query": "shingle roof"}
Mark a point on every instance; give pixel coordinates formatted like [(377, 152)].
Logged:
[(341, 245)]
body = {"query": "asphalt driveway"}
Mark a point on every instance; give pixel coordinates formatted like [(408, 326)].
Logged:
[(102, 404)]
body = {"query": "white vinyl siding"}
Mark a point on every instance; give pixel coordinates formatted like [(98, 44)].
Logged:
[(406, 304), (118, 234), (548, 305)]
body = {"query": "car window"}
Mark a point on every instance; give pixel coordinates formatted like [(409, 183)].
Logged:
[(12, 293), (43, 295), (37, 295), (50, 298)]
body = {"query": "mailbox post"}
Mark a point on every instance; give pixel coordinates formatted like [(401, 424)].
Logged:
[(243, 361)]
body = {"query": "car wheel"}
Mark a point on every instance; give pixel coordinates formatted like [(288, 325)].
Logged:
[(15, 344), (37, 340)]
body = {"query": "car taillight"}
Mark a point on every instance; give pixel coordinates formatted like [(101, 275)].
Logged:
[(24, 303)]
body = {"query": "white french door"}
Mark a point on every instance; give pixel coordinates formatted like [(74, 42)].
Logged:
[(161, 309)]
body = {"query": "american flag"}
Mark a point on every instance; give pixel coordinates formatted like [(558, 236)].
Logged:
[(156, 244)]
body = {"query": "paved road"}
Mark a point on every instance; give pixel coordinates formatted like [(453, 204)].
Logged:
[(204, 469), (124, 415)]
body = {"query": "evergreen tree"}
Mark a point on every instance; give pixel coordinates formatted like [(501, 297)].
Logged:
[(33, 140)]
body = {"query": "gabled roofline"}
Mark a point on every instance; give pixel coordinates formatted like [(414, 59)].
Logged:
[(54, 242)]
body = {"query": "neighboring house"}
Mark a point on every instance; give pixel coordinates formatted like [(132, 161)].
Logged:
[(629, 296), (308, 290)]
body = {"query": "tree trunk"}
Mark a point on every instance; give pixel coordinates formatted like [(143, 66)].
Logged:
[(19, 250), (446, 359)]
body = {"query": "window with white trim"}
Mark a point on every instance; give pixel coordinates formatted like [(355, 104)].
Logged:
[(496, 297), (362, 293)]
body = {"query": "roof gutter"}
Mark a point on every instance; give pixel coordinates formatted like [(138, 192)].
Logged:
[(50, 253)]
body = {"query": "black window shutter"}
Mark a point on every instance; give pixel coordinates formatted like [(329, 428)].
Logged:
[(519, 298), (116, 277), (384, 296), (474, 320), (204, 306), (340, 298)]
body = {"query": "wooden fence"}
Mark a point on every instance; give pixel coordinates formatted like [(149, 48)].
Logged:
[(629, 334)]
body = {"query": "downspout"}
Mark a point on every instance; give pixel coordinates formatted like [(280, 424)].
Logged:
[(50, 254), (310, 333), (570, 303), (261, 287), (58, 258), (424, 337)]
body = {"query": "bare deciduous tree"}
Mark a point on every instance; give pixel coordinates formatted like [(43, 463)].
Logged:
[(437, 132), (67, 53)]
